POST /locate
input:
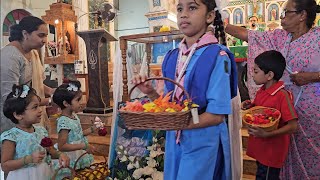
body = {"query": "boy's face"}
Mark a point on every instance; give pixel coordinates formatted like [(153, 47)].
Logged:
[(259, 76)]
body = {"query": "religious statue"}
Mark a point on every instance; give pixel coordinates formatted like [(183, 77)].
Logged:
[(256, 8), (274, 14), (67, 45)]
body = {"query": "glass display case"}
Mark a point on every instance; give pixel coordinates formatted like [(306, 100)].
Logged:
[(152, 46)]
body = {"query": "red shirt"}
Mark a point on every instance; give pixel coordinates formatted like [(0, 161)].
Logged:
[(273, 151)]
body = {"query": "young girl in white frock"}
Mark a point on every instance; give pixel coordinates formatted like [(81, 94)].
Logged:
[(22, 156), (71, 137)]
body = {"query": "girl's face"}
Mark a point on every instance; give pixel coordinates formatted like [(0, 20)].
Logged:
[(76, 105), (38, 38), (259, 76), (193, 18), (32, 113)]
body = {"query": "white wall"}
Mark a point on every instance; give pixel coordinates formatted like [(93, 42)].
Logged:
[(132, 19)]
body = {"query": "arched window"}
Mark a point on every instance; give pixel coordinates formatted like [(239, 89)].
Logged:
[(12, 18)]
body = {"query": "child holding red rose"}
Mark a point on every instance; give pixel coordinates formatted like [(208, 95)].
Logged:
[(270, 149), (71, 137), (23, 155)]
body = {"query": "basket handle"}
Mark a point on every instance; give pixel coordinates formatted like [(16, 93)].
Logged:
[(73, 172), (75, 164), (161, 78)]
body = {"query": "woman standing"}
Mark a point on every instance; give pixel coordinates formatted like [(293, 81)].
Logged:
[(299, 42), (20, 63)]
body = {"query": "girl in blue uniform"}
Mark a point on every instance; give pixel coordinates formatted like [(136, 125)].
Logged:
[(207, 71)]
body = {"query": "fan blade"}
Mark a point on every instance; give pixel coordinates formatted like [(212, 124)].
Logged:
[(107, 7), (108, 16)]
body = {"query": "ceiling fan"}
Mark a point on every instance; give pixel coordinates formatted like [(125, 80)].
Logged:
[(106, 13)]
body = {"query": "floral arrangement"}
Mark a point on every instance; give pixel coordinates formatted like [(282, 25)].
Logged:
[(161, 104), (138, 159), (100, 125), (266, 117)]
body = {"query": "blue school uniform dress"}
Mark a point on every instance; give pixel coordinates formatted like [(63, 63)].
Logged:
[(211, 81)]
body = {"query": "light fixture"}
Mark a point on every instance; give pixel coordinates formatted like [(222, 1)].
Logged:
[(56, 21)]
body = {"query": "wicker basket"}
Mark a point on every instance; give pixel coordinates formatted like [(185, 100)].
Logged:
[(259, 110), (157, 121), (96, 171)]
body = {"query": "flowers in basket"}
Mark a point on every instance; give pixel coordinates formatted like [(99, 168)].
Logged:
[(161, 104), (136, 160), (263, 117), (267, 116)]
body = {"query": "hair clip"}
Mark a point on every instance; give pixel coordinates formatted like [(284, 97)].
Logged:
[(72, 87), (25, 90)]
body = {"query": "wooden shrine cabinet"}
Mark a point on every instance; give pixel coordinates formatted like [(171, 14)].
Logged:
[(62, 46), (156, 45)]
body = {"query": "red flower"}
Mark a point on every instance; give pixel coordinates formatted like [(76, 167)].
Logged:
[(102, 131), (46, 142)]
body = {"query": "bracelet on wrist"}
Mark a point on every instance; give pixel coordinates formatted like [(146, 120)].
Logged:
[(24, 160)]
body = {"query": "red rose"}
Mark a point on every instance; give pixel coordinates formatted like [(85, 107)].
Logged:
[(102, 131), (46, 142)]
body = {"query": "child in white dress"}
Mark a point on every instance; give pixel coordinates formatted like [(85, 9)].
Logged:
[(71, 137), (22, 156)]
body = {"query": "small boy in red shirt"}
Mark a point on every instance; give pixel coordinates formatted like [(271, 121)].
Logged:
[(270, 149)]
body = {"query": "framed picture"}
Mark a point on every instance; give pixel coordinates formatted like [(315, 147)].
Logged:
[(273, 12), (238, 16)]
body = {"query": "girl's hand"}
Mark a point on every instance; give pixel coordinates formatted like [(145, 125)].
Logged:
[(64, 160), (257, 132), (38, 156), (145, 87), (90, 149)]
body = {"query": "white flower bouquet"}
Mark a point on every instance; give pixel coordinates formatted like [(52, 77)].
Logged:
[(138, 159)]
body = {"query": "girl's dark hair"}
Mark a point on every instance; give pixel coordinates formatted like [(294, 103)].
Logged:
[(62, 93), (16, 104), (311, 7), (271, 61), (28, 23), (217, 23)]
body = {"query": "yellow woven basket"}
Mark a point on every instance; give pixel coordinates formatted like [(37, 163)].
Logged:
[(260, 110)]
